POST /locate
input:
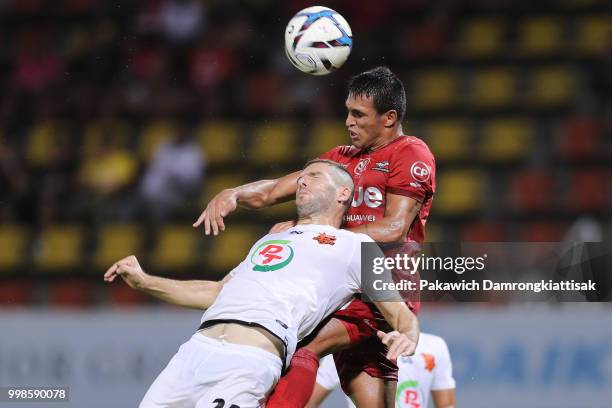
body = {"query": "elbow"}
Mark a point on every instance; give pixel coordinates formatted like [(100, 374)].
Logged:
[(395, 233)]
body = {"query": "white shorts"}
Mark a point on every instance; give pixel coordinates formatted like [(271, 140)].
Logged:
[(208, 373), (327, 375)]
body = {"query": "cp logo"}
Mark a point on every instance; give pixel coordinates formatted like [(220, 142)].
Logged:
[(420, 171)]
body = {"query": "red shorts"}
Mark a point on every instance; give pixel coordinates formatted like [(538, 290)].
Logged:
[(366, 353)]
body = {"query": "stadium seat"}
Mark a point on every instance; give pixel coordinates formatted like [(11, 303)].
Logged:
[(220, 141), (231, 247), (216, 183), (96, 133), (593, 33), (42, 141), (273, 143), (492, 88), (541, 232), (458, 192), (448, 139), (122, 295), (506, 140), (70, 293), (590, 191), (580, 138), (176, 248), (115, 242), (532, 190), (59, 248), (540, 36), (434, 89), (13, 243), (481, 37), (434, 232), (16, 293), (483, 231), (325, 135), (551, 87), (152, 136)]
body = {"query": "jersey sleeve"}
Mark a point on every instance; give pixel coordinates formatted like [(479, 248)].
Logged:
[(443, 373), (331, 154), (413, 172)]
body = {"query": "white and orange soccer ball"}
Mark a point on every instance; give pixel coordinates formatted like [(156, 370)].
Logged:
[(318, 40)]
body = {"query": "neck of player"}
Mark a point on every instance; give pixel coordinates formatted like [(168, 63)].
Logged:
[(321, 219), (386, 137)]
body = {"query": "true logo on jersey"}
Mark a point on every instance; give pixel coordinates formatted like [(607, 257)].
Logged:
[(420, 171), (407, 395), (361, 166), (372, 197), (272, 255)]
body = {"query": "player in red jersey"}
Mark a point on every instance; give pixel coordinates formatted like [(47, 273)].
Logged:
[(394, 179)]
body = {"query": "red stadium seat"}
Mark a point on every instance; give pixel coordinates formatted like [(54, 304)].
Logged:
[(589, 191), (532, 191), (483, 231), (541, 232), (580, 139), (70, 293), (16, 293), (122, 295)]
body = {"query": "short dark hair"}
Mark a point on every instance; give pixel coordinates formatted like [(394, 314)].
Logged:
[(385, 88)]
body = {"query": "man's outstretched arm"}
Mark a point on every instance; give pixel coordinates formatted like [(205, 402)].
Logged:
[(196, 294), (402, 341), (253, 195)]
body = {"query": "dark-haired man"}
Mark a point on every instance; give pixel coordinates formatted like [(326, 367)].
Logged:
[(394, 178)]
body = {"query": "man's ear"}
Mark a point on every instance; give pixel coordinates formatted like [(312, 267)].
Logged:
[(389, 118), (344, 195)]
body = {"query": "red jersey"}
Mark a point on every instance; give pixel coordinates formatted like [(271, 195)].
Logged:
[(405, 167)]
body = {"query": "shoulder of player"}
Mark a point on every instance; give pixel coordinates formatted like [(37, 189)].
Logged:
[(414, 145), (431, 342)]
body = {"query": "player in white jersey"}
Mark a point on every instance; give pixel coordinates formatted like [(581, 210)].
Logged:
[(288, 283), (428, 372)]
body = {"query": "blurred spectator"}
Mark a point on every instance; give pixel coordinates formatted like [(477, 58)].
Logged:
[(181, 20), (37, 64), (174, 176)]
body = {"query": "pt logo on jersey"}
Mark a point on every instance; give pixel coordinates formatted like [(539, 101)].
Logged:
[(272, 255), (420, 171), (407, 395)]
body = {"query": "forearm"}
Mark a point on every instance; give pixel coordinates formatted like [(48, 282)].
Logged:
[(400, 318), (384, 231), (196, 294), (264, 193)]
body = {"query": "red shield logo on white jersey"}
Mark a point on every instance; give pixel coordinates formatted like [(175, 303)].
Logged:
[(420, 171), (361, 166)]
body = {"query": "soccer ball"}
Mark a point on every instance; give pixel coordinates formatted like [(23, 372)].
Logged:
[(318, 40)]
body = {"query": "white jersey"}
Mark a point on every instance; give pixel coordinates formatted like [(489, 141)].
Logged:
[(290, 281), (429, 369)]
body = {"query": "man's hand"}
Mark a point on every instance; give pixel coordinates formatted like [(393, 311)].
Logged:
[(282, 227), (399, 344), (220, 206), (130, 271)]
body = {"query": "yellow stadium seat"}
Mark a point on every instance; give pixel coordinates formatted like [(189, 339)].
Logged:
[(115, 242), (540, 36), (506, 140), (458, 192), (593, 34), (152, 136), (41, 142), (482, 37), (448, 139), (214, 184), (434, 233), (274, 143), (493, 88), (552, 87), (176, 248), (435, 89), (326, 135), (96, 133), (220, 141), (229, 248), (13, 241), (59, 248)]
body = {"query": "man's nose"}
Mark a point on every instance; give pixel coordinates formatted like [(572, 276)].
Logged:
[(349, 120)]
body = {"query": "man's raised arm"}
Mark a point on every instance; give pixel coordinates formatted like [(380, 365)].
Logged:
[(196, 294), (402, 341), (253, 195)]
